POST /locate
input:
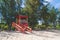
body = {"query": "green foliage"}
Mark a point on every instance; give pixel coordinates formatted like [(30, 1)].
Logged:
[(43, 27), (3, 26), (40, 27), (9, 8), (13, 28), (45, 15), (34, 9), (53, 14), (58, 27), (31, 7)]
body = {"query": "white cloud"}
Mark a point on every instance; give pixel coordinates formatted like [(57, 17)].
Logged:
[(49, 0), (45, 3)]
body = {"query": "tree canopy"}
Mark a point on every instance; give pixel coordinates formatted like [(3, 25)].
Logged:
[(34, 9)]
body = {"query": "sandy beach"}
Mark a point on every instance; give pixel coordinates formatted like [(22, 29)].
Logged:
[(35, 35)]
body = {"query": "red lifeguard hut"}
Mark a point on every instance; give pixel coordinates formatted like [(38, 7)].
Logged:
[(21, 23)]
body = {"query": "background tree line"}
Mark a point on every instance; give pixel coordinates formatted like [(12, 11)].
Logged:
[(34, 9)]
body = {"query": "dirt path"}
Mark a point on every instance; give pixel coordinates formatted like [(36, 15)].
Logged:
[(36, 35)]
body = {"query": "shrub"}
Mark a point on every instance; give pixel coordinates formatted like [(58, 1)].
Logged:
[(58, 27)]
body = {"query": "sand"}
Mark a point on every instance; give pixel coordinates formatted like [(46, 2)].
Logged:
[(35, 35)]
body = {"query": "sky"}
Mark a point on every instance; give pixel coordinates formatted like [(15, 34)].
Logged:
[(55, 3)]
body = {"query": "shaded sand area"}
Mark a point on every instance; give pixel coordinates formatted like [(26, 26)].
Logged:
[(35, 35)]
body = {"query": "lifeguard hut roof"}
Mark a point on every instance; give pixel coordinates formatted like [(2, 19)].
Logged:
[(21, 16)]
